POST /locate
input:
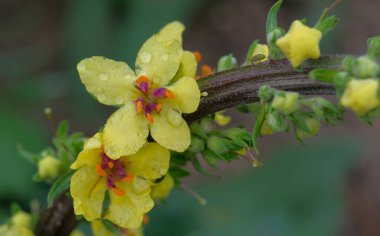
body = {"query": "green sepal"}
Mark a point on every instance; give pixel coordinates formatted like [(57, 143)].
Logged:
[(258, 125), (327, 24), (277, 121), (106, 203), (197, 145), (273, 32), (323, 75), (226, 62), (111, 227), (61, 185), (250, 52)]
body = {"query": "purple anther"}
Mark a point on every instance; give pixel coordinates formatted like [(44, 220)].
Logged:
[(119, 169), (150, 107), (110, 181), (144, 87), (159, 92)]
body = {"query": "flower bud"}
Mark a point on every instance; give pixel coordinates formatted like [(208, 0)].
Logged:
[(266, 129), (197, 145), (226, 62), (21, 219), (277, 121), (361, 95), (221, 119), (220, 145), (49, 167), (313, 125), (374, 46), (286, 103), (239, 136), (266, 93), (365, 67)]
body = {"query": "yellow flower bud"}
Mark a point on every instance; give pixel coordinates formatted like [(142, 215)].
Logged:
[(361, 95), (286, 104), (221, 119), (21, 219), (261, 49), (266, 129), (313, 125), (162, 190), (48, 167), (300, 43)]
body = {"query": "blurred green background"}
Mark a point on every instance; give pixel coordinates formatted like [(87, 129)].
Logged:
[(299, 191)]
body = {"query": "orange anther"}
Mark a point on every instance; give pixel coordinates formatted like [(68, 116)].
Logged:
[(169, 94), (110, 164), (118, 191), (139, 106), (146, 219), (149, 118), (100, 171), (142, 78), (158, 107), (198, 56), (206, 70), (128, 178)]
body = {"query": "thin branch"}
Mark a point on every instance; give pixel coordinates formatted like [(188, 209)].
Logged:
[(225, 90)]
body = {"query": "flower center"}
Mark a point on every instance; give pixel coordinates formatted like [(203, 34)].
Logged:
[(113, 171), (150, 101)]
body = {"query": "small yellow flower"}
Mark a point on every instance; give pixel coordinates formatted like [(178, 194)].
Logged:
[(222, 119), (49, 167), (162, 190), (361, 95), (20, 224), (153, 97), (99, 229), (128, 181), (300, 43), (286, 104), (261, 49)]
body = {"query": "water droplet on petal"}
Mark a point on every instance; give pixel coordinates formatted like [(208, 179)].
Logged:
[(148, 205), (140, 185), (145, 57), (119, 100), (116, 118), (103, 76), (128, 76), (165, 57)]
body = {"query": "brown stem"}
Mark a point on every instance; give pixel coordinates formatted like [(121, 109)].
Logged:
[(225, 90)]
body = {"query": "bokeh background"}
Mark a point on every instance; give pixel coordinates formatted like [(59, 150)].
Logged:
[(330, 186)]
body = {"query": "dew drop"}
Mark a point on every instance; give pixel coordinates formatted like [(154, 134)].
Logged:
[(103, 76), (139, 185), (145, 57), (165, 57), (148, 205), (174, 118), (101, 97)]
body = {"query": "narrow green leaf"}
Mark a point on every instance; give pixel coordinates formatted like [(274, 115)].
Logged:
[(34, 158), (251, 49), (111, 227), (327, 24), (106, 203), (60, 185), (63, 129), (197, 165), (323, 75), (271, 23), (259, 123)]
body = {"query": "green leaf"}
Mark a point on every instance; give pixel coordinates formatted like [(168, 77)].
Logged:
[(34, 158), (271, 23), (63, 129), (15, 208), (60, 185), (197, 165), (323, 75), (111, 227), (106, 203), (277, 121), (327, 24), (259, 123), (250, 52)]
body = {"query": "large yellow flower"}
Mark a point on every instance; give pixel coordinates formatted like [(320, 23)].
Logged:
[(128, 181), (152, 98), (361, 95), (300, 43), (99, 229)]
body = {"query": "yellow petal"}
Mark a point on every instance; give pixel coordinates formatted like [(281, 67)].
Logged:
[(89, 157), (159, 59), (188, 66), (87, 190), (171, 130), (99, 229), (173, 31), (93, 142), (151, 161), (125, 132), (162, 190), (127, 211), (186, 95), (111, 82), (361, 95)]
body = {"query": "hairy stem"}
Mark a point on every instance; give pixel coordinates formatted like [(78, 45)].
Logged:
[(224, 90)]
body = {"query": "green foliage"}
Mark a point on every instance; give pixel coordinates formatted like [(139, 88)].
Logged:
[(274, 32), (373, 45), (226, 62), (327, 24), (61, 185)]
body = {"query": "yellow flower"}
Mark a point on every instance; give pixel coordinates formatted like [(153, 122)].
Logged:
[(128, 181), (153, 97), (361, 95), (221, 119), (99, 229), (162, 190), (300, 43), (261, 49), (20, 224)]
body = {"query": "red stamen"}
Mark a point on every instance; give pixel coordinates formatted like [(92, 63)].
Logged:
[(142, 78), (198, 56), (128, 178), (100, 171), (149, 118), (206, 70), (169, 94), (139, 106), (158, 107)]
